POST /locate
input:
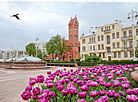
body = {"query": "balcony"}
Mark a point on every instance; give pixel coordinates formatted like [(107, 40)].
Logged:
[(107, 54), (116, 49), (127, 38), (101, 50), (107, 31), (92, 51), (108, 45), (92, 42), (126, 48)]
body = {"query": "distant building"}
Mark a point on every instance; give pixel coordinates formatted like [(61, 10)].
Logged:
[(15, 53), (1, 54), (42, 47), (73, 43), (113, 41)]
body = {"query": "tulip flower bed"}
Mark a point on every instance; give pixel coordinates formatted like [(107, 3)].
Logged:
[(109, 83)]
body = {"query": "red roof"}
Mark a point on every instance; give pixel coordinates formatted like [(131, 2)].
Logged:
[(71, 20)]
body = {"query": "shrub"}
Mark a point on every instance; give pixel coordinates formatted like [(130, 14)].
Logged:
[(71, 59)]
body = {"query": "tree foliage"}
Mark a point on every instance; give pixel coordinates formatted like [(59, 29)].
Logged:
[(53, 44), (56, 44), (92, 58), (136, 52), (39, 53), (31, 49)]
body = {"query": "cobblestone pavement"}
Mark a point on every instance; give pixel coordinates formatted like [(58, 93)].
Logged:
[(14, 81)]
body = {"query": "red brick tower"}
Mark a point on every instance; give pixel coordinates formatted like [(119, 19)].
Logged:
[(73, 44)]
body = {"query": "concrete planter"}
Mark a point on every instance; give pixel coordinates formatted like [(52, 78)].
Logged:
[(134, 76), (136, 68)]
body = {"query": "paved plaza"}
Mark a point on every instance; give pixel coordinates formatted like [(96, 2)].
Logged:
[(14, 81)]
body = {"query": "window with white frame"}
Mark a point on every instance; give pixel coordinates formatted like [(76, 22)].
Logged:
[(119, 54), (130, 32), (93, 47), (131, 53), (118, 44), (125, 54), (114, 54)]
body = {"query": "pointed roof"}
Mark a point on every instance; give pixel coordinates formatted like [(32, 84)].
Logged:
[(73, 20)]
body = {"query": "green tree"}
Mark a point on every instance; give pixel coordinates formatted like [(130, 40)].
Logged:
[(79, 57), (39, 53), (53, 44), (92, 58), (31, 49), (136, 52), (56, 44)]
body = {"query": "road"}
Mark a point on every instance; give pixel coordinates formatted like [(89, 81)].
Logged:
[(14, 81)]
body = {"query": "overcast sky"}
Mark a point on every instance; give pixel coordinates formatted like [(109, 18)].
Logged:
[(47, 19)]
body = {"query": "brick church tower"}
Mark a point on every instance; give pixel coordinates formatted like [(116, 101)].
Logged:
[(73, 44)]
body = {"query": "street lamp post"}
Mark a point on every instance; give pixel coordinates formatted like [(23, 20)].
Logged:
[(132, 15), (36, 45)]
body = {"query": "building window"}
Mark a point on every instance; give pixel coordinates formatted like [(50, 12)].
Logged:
[(100, 55), (83, 48), (75, 36), (102, 37), (71, 36), (125, 44), (113, 35), (137, 32), (130, 44), (108, 50), (83, 41), (114, 54), (71, 44), (118, 45), (69, 57), (113, 27), (131, 52), (137, 42), (125, 54), (101, 29), (108, 39), (98, 47), (90, 48), (75, 44), (103, 55), (90, 40), (117, 34), (93, 47), (107, 28), (70, 48), (130, 32), (119, 54), (98, 38), (125, 35), (113, 45), (94, 39), (102, 46)]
